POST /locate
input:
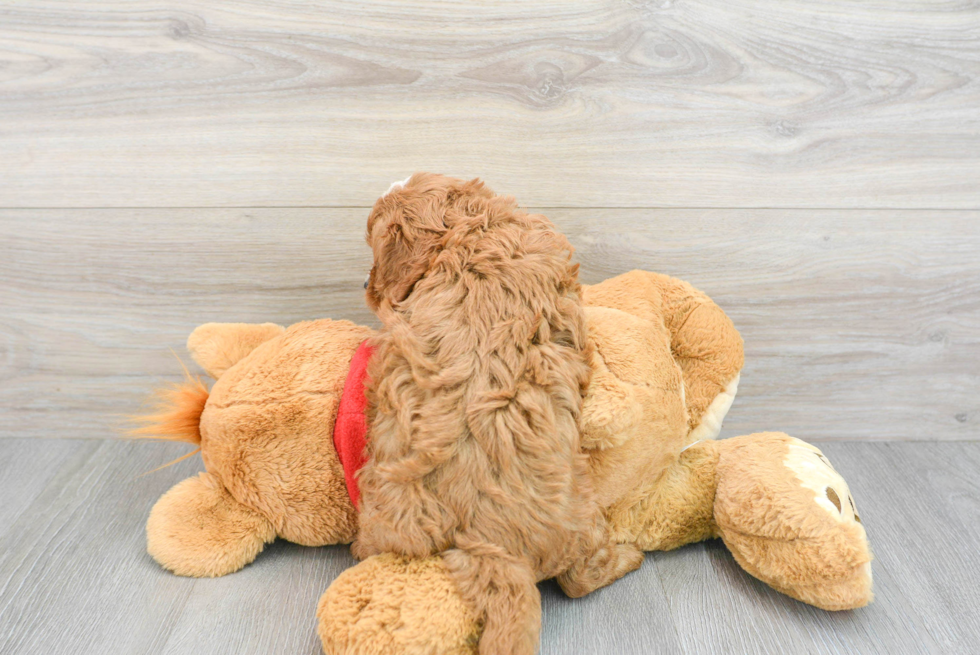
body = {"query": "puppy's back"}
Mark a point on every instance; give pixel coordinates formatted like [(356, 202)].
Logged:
[(476, 390)]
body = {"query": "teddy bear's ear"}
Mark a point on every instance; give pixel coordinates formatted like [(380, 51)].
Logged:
[(216, 347)]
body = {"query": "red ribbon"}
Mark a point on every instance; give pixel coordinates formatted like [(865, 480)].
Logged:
[(350, 430)]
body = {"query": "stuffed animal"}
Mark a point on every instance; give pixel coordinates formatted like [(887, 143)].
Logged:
[(282, 431)]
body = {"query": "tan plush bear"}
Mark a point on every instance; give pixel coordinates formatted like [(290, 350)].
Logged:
[(665, 370)]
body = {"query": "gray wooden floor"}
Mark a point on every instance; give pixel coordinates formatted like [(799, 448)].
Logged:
[(75, 577)]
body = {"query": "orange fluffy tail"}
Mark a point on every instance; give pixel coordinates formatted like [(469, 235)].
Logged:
[(175, 415)]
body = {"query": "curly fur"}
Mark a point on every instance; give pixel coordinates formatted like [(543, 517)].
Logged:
[(476, 389)]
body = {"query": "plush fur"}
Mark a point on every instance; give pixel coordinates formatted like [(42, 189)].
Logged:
[(662, 354), (201, 531), (217, 523), (418, 596), (476, 391)]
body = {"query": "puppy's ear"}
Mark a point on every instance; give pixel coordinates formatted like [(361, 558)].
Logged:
[(402, 256)]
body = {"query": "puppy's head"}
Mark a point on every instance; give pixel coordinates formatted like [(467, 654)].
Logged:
[(406, 231)]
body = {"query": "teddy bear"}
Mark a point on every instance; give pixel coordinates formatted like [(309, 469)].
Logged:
[(281, 435)]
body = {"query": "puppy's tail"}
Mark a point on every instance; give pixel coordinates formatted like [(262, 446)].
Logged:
[(504, 592)]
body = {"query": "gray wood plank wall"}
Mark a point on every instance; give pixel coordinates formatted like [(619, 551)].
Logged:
[(813, 167), (721, 103)]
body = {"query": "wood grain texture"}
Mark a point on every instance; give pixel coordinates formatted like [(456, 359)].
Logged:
[(634, 618), (858, 324), (26, 467), (74, 573), (638, 103), (75, 578)]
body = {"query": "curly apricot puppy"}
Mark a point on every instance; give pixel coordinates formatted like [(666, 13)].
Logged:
[(480, 369)]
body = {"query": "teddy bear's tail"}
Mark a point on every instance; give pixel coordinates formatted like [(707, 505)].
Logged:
[(175, 414)]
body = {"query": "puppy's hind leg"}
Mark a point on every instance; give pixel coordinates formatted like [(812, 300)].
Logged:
[(503, 591), (603, 566)]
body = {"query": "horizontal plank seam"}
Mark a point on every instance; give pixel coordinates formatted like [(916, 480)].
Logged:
[(602, 207), (935, 442)]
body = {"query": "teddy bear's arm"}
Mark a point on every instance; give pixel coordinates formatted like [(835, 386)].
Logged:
[(703, 340), (216, 347), (708, 349), (632, 372)]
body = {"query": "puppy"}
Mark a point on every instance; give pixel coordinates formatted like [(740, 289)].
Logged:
[(476, 384)]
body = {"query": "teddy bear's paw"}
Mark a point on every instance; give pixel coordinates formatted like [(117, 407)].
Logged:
[(198, 530), (393, 605), (789, 519)]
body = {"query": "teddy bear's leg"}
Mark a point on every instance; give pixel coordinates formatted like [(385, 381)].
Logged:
[(216, 347), (393, 605), (678, 507), (789, 519), (197, 529), (606, 564)]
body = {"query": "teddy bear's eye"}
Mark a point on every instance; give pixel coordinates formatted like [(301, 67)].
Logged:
[(367, 280), (834, 498)]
